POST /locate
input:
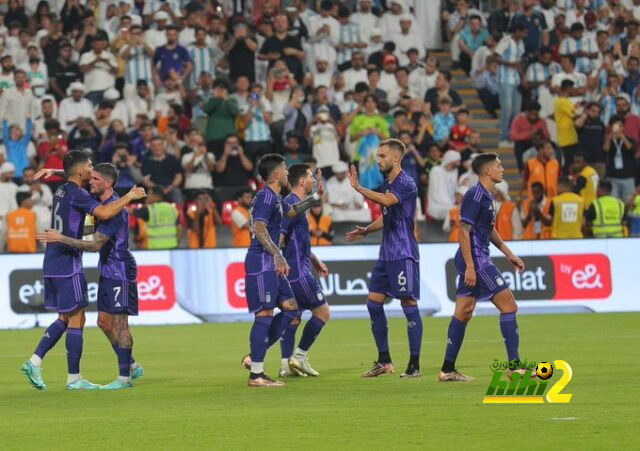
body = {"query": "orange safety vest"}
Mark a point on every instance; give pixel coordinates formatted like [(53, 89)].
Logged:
[(240, 237), (503, 220), (545, 173), (528, 232), (21, 231), (454, 220), (324, 224), (208, 231)]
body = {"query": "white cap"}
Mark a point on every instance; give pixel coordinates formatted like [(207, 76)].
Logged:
[(408, 17), (375, 32), (76, 86), (111, 94), (161, 15), (339, 167), (7, 167), (450, 156)]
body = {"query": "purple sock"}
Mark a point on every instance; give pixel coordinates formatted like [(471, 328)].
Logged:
[(115, 349), (378, 325), (455, 336), (310, 333), (288, 341), (509, 329), (124, 361), (74, 350), (414, 329), (258, 337), (50, 337), (280, 323)]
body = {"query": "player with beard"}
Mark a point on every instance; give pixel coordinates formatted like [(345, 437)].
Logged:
[(117, 289), (479, 279), (65, 287), (397, 272)]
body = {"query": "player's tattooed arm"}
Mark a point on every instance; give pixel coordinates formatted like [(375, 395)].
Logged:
[(53, 236), (262, 235), (498, 242)]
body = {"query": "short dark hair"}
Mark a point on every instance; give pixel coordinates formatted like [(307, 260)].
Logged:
[(158, 191), (170, 27), (51, 124), (533, 106), (242, 191), (446, 74), (482, 160), (570, 58), (616, 118), (580, 154), (269, 163), (296, 172), (395, 144), (108, 171), (537, 185), (72, 159), (565, 181), (22, 196), (220, 83), (566, 84), (604, 185), (121, 145)]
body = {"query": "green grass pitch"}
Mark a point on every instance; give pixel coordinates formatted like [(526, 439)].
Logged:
[(193, 395)]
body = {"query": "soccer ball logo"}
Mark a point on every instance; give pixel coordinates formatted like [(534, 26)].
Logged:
[(544, 370)]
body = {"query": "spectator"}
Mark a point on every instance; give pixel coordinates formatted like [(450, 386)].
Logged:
[(162, 228), (620, 150), (365, 18), (535, 214), (579, 89), (296, 117), (171, 92), (324, 140), (581, 48), (221, 111), (605, 215), (443, 121), (99, 68), (539, 74), (74, 106), (285, 47), (356, 72), (407, 39), (368, 122), (632, 79), (233, 168), (202, 218), (118, 107), (347, 205), (456, 22), (536, 31), (471, 38), (18, 148), (41, 198), (350, 38), (203, 56), (129, 173), (564, 113), (523, 129), (508, 224), (412, 160), (85, 135), (591, 133), (51, 153), (240, 219), (6, 76), (320, 226), (241, 50), (500, 18), (139, 102), (17, 102), (451, 222), (157, 37), (460, 132), (292, 150), (162, 171), (566, 212), (21, 226), (443, 181), (258, 118), (586, 183), (8, 191), (420, 81), (543, 169), (137, 55), (441, 89), (48, 111), (631, 121), (486, 84), (171, 60), (508, 54), (324, 33), (198, 164)]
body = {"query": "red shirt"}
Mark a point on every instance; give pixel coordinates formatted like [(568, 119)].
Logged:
[(632, 129), (459, 135), (52, 159), (522, 128)]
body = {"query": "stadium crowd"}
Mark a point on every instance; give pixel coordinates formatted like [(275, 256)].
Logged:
[(185, 96)]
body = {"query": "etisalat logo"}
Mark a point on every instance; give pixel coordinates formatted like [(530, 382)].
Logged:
[(528, 387)]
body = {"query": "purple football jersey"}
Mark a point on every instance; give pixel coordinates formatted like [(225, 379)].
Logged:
[(116, 261), (479, 211), (70, 205), (398, 240), (297, 249), (267, 207)]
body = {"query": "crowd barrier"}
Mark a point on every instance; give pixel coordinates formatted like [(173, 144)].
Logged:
[(190, 286)]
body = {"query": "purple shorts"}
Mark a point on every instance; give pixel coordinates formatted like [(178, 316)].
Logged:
[(65, 294), (118, 297), (308, 293), (399, 279), (266, 290), (489, 282)]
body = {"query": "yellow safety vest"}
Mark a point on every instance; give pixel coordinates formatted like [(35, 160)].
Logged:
[(588, 193), (567, 216), (162, 231), (609, 214)]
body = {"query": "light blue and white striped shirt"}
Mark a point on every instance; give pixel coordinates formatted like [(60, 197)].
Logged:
[(258, 130), (570, 46), (138, 65), (537, 72), (203, 61), (349, 34), (510, 51), (608, 107)]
